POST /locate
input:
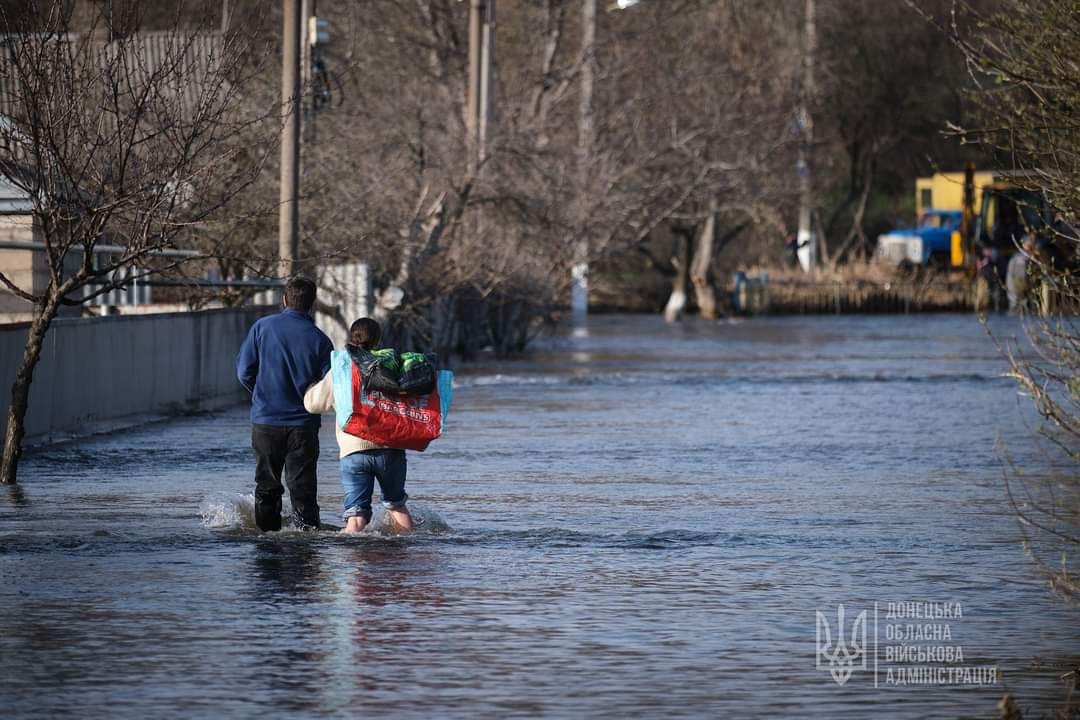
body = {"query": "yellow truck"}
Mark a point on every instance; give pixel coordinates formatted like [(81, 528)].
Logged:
[(945, 191)]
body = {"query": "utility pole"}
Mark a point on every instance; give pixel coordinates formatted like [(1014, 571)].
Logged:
[(289, 211), (806, 238), (579, 274), (313, 35), (480, 107), (305, 73), (472, 110), (487, 79)]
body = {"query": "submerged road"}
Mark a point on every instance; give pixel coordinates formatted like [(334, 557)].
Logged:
[(646, 521)]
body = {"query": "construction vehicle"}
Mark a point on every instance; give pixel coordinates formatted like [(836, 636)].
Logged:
[(975, 222), (963, 215)]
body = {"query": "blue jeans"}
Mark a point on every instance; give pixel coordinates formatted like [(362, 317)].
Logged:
[(360, 470)]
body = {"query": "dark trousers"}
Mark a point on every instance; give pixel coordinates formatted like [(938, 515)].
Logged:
[(296, 451)]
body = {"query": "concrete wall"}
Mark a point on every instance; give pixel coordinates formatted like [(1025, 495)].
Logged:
[(94, 372)]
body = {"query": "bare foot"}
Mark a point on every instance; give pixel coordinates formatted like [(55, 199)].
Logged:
[(400, 520), (354, 525)]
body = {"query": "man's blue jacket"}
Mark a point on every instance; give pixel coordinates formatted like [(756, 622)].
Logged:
[(281, 357)]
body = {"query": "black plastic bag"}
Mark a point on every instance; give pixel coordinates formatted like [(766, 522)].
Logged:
[(418, 373), (374, 371), (390, 373)]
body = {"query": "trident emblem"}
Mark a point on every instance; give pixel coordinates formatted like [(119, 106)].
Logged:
[(842, 655)]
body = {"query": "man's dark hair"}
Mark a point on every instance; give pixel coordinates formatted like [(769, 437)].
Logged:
[(365, 333), (299, 294)]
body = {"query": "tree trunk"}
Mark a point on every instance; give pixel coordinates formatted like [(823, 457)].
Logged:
[(20, 390), (579, 293), (856, 234), (704, 292), (445, 327), (676, 304), (504, 320), (823, 236)]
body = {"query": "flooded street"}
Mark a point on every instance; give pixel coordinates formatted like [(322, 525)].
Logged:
[(640, 522)]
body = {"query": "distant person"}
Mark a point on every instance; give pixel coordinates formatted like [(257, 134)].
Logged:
[(363, 462), (283, 355), (1016, 276), (791, 250)]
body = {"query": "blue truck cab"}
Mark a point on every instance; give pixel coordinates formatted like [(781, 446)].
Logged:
[(930, 240)]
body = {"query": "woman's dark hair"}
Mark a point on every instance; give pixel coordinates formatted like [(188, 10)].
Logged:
[(365, 333), (299, 294)]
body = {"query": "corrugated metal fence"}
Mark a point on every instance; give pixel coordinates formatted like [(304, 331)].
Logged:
[(94, 372)]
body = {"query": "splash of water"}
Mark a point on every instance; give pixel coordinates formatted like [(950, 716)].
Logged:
[(228, 512), (425, 521), (236, 511)]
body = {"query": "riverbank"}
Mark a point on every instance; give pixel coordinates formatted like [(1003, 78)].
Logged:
[(767, 290), (856, 290)]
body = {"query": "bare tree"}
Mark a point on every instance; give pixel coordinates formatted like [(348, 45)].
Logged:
[(699, 135), (1023, 60), (678, 128), (123, 140), (888, 84)]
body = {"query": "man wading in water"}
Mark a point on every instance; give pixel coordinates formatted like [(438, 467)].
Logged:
[(281, 357)]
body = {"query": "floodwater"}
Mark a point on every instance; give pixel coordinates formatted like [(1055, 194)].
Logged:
[(640, 522)]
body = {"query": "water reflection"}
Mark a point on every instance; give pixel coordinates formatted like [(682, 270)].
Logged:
[(17, 496), (387, 586), (384, 573), (286, 570), (289, 580)]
